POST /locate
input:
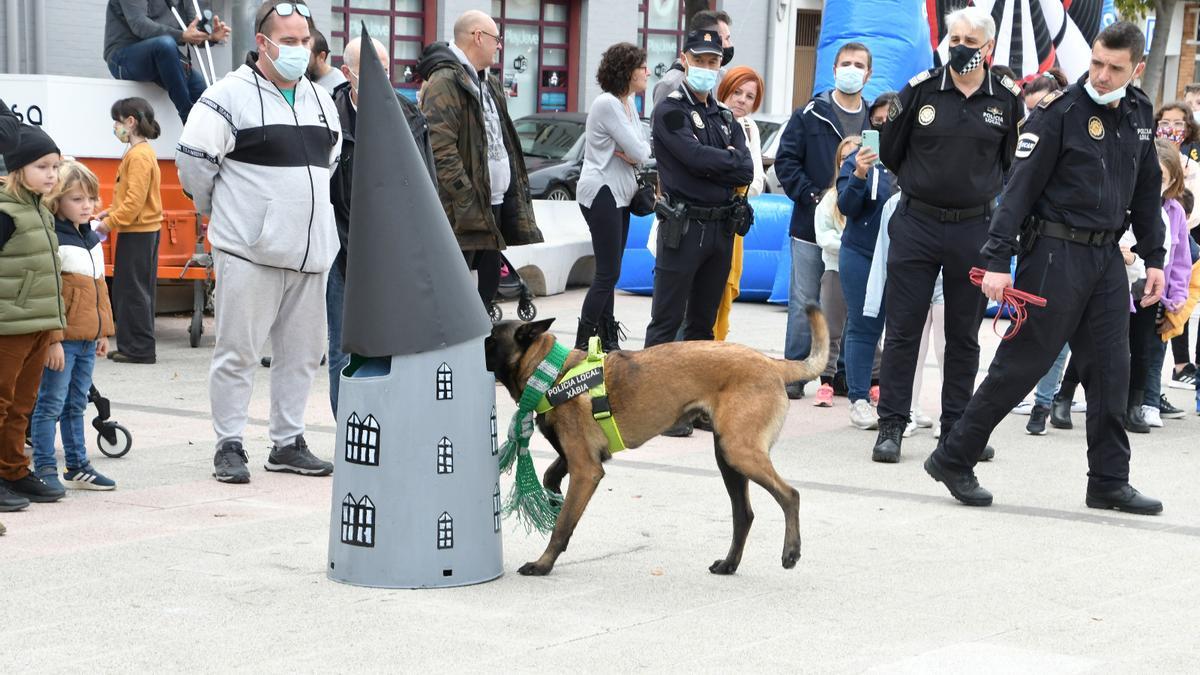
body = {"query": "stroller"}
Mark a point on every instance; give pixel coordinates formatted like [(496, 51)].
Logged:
[(512, 286), (113, 439)]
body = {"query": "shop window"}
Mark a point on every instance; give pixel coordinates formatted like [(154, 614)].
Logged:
[(533, 63), (401, 25), (661, 32)]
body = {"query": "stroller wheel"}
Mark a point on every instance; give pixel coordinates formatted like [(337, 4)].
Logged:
[(526, 311), (496, 313), (120, 443)]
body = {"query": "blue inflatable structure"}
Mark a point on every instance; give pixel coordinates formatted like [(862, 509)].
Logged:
[(896, 31), (760, 259)]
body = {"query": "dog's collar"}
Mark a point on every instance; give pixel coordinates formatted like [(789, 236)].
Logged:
[(587, 377)]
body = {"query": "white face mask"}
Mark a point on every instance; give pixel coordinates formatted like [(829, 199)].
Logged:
[(1105, 99)]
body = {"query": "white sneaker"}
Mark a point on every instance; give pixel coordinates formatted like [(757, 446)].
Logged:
[(863, 415), (910, 429), (1023, 408), (1152, 415), (1079, 407), (923, 421)]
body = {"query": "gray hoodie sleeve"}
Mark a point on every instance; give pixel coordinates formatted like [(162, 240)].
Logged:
[(207, 137), (137, 16)]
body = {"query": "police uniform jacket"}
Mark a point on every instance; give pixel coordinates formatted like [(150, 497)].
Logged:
[(1087, 166), (692, 141), (949, 150)]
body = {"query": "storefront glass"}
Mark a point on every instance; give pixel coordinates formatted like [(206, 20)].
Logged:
[(661, 33), (399, 24), (534, 57)]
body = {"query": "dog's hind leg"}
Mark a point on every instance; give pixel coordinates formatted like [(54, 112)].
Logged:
[(743, 515), (585, 471), (752, 461)]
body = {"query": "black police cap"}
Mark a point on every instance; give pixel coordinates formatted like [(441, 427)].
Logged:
[(703, 42)]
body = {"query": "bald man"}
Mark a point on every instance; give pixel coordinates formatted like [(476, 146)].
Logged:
[(480, 168), (345, 98)]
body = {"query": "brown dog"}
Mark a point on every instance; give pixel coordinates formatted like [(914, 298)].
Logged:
[(740, 389)]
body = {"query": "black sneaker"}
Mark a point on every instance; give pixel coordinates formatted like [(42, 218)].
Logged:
[(1184, 378), (229, 464), (32, 488), (840, 388), (1037, 421), (296, 458), (795, 390), (10, 501), (1135, 421), (1168, 411)]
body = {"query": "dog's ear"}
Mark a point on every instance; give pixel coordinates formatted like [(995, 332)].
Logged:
[(526, 333)]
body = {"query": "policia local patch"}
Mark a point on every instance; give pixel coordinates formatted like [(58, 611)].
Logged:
[(1025, 144)]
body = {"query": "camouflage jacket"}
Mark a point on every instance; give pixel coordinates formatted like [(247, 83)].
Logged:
[(450, 101)]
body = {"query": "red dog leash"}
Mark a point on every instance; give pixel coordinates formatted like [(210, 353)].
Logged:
[(1014, 301)]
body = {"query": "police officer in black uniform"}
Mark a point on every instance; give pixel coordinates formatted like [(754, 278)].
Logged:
[(949, 138), (1085, 167), (702, 160)]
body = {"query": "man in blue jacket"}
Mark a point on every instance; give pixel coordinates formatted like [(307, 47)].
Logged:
[(805, 167)]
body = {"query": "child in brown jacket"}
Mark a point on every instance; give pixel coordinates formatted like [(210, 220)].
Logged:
[(63, 396)]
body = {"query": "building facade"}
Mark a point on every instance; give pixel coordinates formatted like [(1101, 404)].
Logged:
[(548, 60)]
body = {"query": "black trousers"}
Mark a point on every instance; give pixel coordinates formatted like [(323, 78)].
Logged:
[(922, 247), (609, 226), (135, 278), (689, 280), (486, 264), (1087, 299), (1145, 351)]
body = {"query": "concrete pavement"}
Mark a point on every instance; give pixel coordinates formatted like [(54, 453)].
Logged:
[(175, 571)]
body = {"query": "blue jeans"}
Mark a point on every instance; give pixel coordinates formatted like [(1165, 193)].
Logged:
[(158, 60), (862, 332), (805, 290), (1157, 353), (62, 399), (335, 297), (1043, 395)]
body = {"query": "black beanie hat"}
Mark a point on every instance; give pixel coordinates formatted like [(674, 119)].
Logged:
[(32, 145)]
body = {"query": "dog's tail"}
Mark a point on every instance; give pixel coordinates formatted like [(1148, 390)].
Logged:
[(812, 367)]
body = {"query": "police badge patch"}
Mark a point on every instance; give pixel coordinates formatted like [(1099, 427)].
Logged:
[(697, 120), (894, 109), (926, 114), (1096, 128), (1025, 145)]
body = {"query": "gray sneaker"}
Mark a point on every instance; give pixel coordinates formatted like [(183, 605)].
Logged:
[(229, 464), (296, 458)]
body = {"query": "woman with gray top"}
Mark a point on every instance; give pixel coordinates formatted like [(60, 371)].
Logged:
[(615, 143)]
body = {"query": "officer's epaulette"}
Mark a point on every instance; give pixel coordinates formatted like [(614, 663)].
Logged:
[(1050, 98), (675, 95), (1010, 85), (922, 76)]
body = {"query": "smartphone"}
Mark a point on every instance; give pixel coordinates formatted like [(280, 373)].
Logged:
[(870, 139)]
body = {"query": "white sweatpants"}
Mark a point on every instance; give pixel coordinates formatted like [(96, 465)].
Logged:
[(253, 303)]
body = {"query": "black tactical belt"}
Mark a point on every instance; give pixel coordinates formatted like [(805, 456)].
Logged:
[(710, 213), (948, 215), (1097, 238)]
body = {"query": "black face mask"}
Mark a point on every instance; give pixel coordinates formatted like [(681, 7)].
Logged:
[(964, 59), (726, 56), (876, 126)]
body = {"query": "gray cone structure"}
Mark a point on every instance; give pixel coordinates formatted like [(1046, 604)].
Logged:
[(416, 493)]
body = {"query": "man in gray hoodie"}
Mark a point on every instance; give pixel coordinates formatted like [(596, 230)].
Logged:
[(256, 155)]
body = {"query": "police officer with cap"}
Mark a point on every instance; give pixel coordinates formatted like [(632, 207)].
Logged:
[(1085, 168), (702, 161), (949, 138)]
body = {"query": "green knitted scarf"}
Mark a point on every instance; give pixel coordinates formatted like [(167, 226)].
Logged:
[(534, 505)]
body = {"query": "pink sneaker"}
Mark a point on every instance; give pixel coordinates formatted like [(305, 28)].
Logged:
[(873, 394), (824, 396)]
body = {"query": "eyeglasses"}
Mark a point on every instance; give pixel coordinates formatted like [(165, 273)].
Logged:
[(286, 9), (498, 38), (1172, 125)]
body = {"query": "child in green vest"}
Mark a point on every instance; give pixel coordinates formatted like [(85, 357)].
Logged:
[(31, 307)]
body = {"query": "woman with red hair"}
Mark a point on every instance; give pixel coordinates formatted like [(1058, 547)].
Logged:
[(741, 90)]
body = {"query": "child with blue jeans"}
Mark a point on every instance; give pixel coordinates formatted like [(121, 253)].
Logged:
[(63, 394)]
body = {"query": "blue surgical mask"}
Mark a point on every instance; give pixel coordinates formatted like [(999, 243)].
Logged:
[(849, 79), (292, 61), (701, 79), (1105, 99)]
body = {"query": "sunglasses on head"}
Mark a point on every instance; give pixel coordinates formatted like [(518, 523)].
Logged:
[(286, 9)]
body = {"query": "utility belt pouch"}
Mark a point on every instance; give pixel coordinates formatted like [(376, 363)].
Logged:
[(741, 216), (1029, 234)]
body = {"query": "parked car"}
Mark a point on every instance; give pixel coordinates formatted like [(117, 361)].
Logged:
[(770, 129), (553, 146)]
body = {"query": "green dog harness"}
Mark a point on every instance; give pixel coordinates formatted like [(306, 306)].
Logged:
[(587, 377)]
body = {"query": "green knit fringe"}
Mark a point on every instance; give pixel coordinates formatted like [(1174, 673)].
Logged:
[(535, 506)]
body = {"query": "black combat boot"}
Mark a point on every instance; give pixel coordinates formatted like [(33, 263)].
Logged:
[(611, 334), (887, 445), (584, 333)]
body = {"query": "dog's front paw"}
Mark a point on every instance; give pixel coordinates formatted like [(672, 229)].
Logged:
[(722, 566), (790, 558), (532, 569)]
